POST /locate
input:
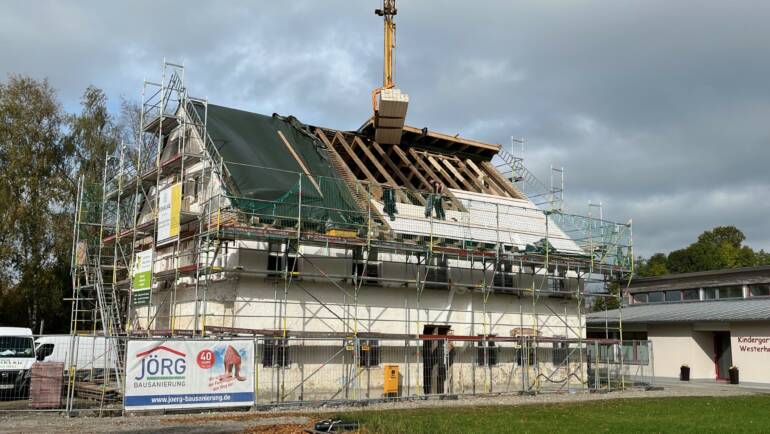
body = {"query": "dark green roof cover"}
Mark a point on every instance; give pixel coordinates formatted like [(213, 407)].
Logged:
[(266, 175)]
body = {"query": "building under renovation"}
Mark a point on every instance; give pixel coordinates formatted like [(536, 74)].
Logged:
[(341, 252)]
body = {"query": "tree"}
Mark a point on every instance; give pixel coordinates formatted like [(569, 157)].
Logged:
[(36, 200), (92, 135), (602, 303), (42, 153), (718, 248), (657, 265), (721, 247)]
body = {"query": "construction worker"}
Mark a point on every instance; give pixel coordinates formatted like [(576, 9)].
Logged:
[(435, 201), (389, 199)]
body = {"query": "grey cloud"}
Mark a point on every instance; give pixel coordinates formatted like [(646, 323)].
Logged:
[(658, 109)]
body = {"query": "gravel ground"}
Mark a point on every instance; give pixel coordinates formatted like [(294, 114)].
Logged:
[(287, 420)]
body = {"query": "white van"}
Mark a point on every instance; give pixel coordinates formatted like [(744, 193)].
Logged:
[(91, 355), (17, 354)]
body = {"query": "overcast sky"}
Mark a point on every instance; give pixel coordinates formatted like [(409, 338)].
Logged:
[(658, 109)]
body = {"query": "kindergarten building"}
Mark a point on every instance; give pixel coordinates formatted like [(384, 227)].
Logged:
[(708, 321)]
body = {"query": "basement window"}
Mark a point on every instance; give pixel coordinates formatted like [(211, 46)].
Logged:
[(560, 351), (640, 298), (275, 353), (530, 354), (369, 354), (486, 353)]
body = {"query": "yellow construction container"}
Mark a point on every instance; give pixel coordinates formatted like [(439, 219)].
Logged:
[(390, 386)]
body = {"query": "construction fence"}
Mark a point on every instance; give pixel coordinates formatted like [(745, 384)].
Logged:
[(107, 376)]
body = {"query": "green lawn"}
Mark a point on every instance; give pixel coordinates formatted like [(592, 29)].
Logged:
[(701, 414)]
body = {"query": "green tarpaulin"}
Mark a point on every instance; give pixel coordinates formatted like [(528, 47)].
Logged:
[(266, 175)]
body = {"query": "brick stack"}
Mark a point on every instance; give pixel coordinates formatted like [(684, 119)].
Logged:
[(46, 386)]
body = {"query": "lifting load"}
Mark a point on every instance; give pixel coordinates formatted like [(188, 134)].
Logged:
[(389, 102), (389, 118)]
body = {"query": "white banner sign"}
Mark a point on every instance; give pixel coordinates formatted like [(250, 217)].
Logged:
[(189, 374), (169, 207)]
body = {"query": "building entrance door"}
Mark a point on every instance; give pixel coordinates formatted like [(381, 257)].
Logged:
[(434, 359), (723, 357)]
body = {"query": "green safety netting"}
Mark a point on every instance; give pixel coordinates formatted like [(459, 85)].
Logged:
[(268, 177)]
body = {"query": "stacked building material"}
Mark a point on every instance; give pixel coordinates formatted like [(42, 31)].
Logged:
[(46, 386), (389, 121)]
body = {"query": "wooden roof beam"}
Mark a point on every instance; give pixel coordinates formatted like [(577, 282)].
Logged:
[(386, 158), (389, 179), (492, 185), (468, 186), (494, 174), (403, 157), (441, 171)]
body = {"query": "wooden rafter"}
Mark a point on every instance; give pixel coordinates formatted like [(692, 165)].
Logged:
[(492, 185), (389, 179), (402, 155), (386, 158), (492, 172), (468, 186), (359, 195), (441, 171), (452, 199), (339, 138), (480, 185)]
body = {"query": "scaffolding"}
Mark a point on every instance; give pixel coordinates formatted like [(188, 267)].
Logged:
[(329, 232)]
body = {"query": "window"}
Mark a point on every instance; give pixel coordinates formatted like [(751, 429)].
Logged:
[(504, 275), (560, 352), (275, 353), (655, 297), (710, 293), (369, 354), (731, 292), (275, 259), (760, 290), (640, 297), (366, 267), (486, 353), (530, 354), (437, 273), (691, 294), (674, 295), (13, 346), (635, 352)]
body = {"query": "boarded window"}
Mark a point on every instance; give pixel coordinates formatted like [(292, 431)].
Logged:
[(486, 353), (275, 352), (560, 352), (370, 353)]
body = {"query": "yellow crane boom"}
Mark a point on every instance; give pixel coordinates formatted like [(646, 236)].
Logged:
[(390, 110)]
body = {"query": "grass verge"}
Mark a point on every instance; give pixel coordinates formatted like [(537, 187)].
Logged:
[(679, 414)]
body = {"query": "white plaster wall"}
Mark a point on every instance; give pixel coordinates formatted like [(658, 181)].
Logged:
[(677, 344), (751, 356)]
